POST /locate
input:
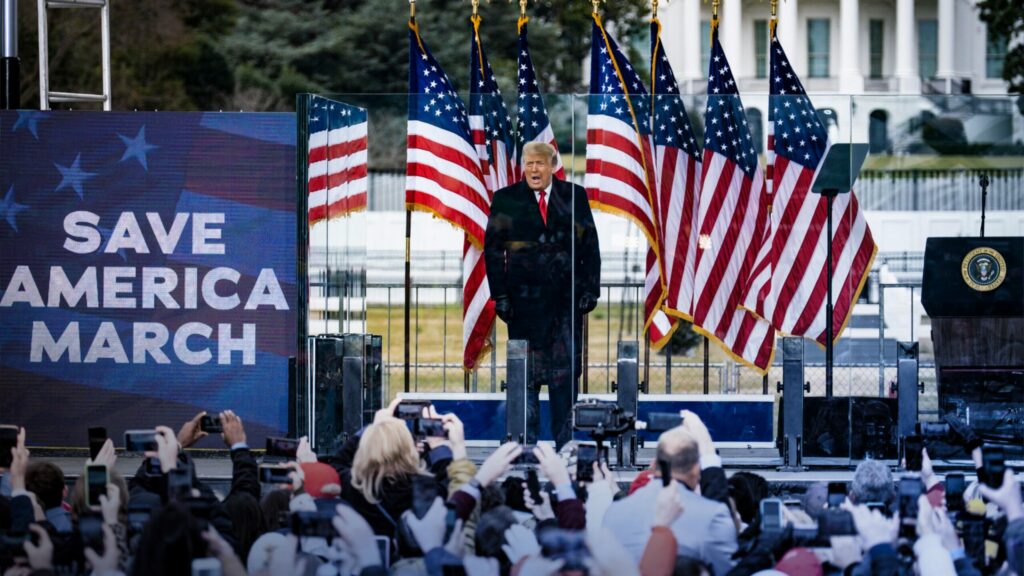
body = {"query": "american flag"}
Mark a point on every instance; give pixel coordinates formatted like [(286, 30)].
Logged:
[(532, 119), (620, 169), (443, 175), (732, 217), (677, 168), (337, 159), (788, 286), (492, 137)]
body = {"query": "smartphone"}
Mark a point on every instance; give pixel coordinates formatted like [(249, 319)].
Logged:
[(793, 504), (210, 424), (179, 484), (90, 528), (8, 440), (586, 455), (527, 456), (533, 485), (312, 524), (96, 479), (282, 447), (384, 547), (666, 472), (836, 523), (771, 514), (97, 438), (993, 465), (972, 530), (424, 491), (429, 427), (206, 567), (411, 409), (152, 466), (910, 490), (836, 494), (912, 457), (140, 441), (955, 486), (270, 474)]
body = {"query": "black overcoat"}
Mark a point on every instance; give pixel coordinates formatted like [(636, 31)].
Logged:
[(531, 263)]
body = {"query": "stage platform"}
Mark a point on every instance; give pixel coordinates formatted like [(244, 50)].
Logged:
[(214, 467)]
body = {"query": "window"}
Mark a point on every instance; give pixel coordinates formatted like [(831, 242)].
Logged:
[(761, 47), (995, 54), (705, 45), (756, 124), (927, 47), (878, 132), (817, 47), (876, 41)]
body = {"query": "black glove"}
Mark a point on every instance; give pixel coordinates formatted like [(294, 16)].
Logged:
[(587, 302), (503, 308)]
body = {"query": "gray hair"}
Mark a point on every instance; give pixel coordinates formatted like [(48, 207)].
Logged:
[(536, 148), (872, 482)]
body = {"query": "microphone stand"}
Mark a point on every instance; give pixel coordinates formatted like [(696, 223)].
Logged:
[(983, 182)]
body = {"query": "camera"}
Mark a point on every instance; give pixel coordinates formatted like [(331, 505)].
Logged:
[(835, 523), (526, 457), (96, 479), (97, 438), (771, 515), (8, 440), (210, 424), (179, 484), (586, 456), (662, 421), (955, 486), (836, 494), (411, 409), (312, 524), (90, 529), (138, 516), (993, 465), (428, 428), (601, 417), (270, 474), (909, 491), (140, 441), (282, 448)]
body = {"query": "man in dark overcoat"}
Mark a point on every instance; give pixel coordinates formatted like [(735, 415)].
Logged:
[(544, 269)]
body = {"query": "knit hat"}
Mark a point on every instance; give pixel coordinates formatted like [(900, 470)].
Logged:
[(319, 476), (800, 562)]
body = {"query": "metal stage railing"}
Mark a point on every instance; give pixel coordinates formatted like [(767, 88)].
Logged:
[(436, 342)]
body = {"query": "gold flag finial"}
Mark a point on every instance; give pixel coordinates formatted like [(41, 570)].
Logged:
[(412, 9), (714, 16), (522, 8), (594, 4), (774, 19), (654, 8)]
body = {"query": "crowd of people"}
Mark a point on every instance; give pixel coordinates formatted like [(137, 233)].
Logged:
[(392, 501)]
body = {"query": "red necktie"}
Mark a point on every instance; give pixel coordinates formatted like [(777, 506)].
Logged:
[(543, 205)]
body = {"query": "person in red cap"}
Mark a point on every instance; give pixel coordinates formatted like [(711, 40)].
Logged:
[(800, 562), (321, 480)]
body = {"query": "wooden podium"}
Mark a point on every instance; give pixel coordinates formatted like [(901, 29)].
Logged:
[(973, 291)]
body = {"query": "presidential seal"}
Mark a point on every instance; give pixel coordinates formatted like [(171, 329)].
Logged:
[(983, 269)]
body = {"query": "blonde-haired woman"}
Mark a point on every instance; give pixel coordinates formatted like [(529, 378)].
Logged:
[(379, 467)]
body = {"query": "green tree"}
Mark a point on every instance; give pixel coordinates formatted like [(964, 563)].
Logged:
[(165, 54), (1006, 18)]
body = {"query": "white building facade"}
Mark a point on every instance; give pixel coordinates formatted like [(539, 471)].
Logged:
[(843, 46)]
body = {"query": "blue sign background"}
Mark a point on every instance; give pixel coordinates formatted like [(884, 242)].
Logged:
[(56, 163)]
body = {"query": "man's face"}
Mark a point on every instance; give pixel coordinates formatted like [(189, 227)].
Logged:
[(538, 169)]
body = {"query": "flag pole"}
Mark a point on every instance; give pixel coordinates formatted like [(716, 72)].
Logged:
[(408, 242)]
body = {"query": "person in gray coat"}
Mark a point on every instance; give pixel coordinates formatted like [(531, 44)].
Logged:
[(705, 530)]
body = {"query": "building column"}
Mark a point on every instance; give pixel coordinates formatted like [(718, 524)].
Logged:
[(908, 78), (731, 12), (788, 33), (851, 80), (692, 74), (947, 26)]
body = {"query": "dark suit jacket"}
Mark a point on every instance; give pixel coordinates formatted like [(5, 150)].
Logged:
[(534, 264)]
